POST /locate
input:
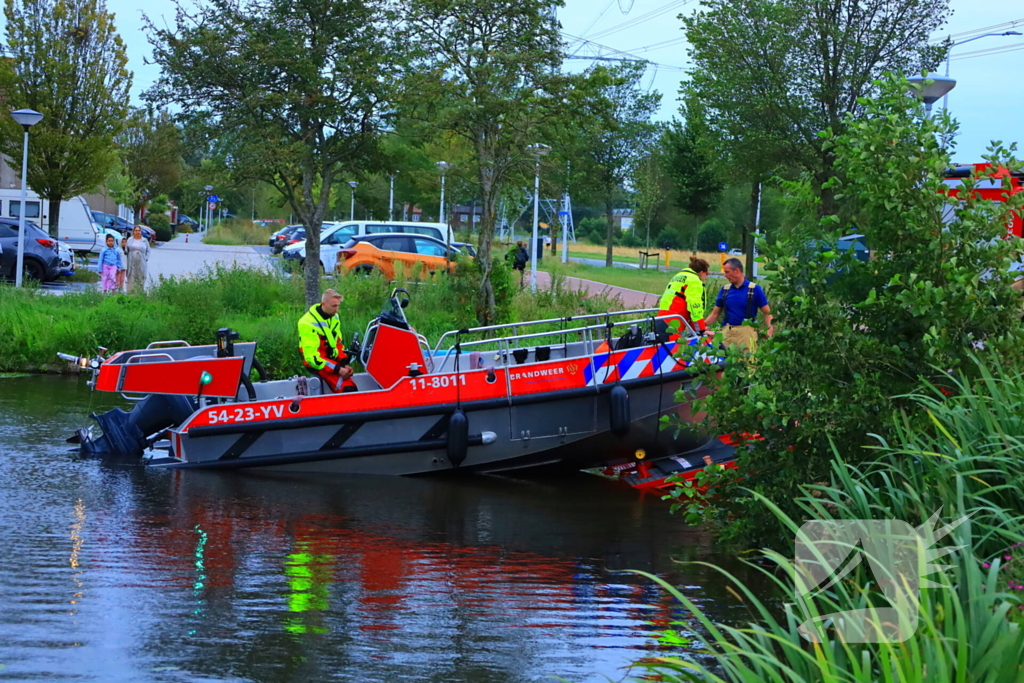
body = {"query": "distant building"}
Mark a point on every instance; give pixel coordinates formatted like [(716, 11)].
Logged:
[(466, 217)]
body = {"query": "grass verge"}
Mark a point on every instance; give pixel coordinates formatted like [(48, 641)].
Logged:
[(963, 624), (236, 232), (261, 306)]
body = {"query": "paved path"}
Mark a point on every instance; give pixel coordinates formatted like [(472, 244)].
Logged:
[(630, 298), (178, 257)]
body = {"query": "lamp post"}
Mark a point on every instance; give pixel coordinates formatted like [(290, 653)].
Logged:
[(931, 92), (391, 197), (537, 150), (352, 208), (26, 118), (945, 97), (443, 167), (206, 203)]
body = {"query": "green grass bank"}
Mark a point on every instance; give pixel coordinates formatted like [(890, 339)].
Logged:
[(263, 307)]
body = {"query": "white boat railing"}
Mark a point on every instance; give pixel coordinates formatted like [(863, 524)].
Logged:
[(506, 345)]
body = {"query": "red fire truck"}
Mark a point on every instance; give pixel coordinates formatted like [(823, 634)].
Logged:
[(989, 186)]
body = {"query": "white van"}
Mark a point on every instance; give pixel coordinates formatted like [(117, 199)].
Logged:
[(76, 229), (333, 236)]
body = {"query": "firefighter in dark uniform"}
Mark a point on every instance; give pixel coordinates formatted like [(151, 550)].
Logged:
[(322, 346)]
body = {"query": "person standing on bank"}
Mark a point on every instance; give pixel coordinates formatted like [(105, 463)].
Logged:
[(684, 296), (322, 346), (138, 261), (110, 265), (741, 299)]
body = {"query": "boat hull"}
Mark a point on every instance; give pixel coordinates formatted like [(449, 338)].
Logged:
[(576, 428)]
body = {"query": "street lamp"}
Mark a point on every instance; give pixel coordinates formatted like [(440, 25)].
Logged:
[(537, 150), (443, 167), (352, 208), (26, 118), (206, 205), (945, 98), (931, 88), (391, 197)]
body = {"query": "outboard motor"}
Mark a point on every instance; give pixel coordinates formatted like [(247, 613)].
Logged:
[(124, 433)]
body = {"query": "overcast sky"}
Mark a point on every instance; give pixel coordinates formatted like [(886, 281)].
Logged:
[(988, 99)]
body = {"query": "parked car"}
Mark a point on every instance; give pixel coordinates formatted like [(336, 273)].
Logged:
[(185, 220), (42, 259), (334, 235), (282, 238), (466, 248), (75, 228), (735, 252), (109, 220), (381, 253), (67, 261)]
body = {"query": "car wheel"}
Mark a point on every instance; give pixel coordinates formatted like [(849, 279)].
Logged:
[(364, 271), (34, 270)]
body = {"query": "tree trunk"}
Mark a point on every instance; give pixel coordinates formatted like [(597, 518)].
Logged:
[(54, 226), (750, 226), (608, 261), (485, 312), (311, 211)]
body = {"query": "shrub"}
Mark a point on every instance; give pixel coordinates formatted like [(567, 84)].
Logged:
[(711, 233), (855, 340), (161, 224), (670, 238)]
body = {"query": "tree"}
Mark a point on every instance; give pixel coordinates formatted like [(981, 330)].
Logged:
[(696, 188), (771, 74), (649, 191), (487, 72), (301, 89), (855, 339), (67, 62), (152, 147), (613, 132)]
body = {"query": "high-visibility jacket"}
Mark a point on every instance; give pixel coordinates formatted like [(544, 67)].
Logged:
[(684, 295), (320, 340)]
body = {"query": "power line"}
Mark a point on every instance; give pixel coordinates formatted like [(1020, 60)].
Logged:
[(598, 17), (589, 50), (998, 51), (1007, 24), (641, 18), (658, 46), (988, 50)]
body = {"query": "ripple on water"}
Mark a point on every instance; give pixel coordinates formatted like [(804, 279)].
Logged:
[(125, 574)]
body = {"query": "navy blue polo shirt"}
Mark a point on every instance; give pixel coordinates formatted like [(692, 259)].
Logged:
[(734, 300)]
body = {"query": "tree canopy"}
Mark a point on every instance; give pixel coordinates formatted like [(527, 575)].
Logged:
[(303, 87), (67, 62), (487, 72), (772, 74)]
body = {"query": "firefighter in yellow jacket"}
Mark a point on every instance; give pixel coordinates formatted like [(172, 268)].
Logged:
[(321, 343), (684, 296)]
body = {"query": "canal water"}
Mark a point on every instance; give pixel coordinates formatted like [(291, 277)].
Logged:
[(127, 574)]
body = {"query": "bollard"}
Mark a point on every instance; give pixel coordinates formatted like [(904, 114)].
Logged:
[(668, 258)]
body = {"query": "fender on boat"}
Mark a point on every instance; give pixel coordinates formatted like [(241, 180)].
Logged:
[(458, 438), (618, 409)]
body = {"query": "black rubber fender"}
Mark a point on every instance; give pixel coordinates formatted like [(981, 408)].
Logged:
[(458, 438), (618, 410)]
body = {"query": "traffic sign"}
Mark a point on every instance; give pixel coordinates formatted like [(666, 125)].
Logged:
[(723, 246), (213, 205), (213, 198), (563, 213)]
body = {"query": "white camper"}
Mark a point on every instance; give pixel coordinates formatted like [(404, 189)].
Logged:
[(76, 229)]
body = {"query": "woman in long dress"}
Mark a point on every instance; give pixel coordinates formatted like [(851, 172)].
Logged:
[(138, 258)]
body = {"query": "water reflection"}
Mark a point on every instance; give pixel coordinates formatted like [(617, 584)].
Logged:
[(243, 577)]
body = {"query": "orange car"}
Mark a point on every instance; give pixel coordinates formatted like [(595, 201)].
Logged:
[(380, 253)]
